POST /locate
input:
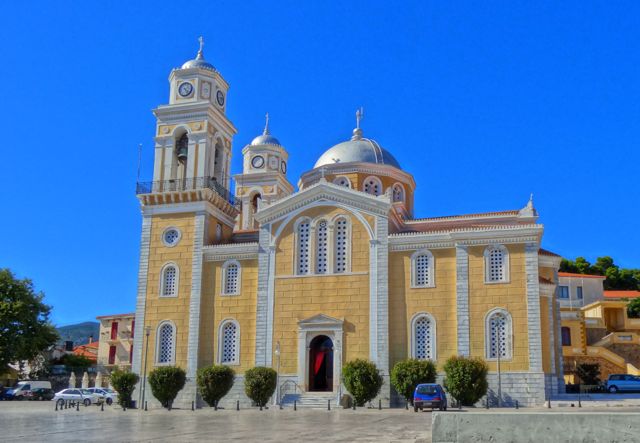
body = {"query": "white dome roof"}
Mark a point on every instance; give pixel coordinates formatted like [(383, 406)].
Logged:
[(199, 61), (358, 149)]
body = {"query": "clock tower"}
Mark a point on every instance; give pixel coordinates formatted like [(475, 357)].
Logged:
[(264, 176)]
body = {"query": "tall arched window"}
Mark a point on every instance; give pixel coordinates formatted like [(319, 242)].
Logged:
[(423, 337), (498, 334), (341, 232), (342, 181), (231, 278), (302, 247), (398, 193), (422, 269), (166, 341), (322, 247), (496, 264), (169, 281), (373, 186), (229, 342)]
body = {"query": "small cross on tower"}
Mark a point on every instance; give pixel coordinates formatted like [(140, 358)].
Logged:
[(359, 116)]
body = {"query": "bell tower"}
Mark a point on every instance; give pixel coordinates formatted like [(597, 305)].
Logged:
[(264, 176)]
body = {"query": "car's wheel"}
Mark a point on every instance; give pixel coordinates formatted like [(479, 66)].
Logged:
[(109, 401), (86, 402), (613, 389), (415, 409), (60, 402), (20, 397)]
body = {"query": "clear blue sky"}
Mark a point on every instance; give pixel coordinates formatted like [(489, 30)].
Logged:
[(484, 102)]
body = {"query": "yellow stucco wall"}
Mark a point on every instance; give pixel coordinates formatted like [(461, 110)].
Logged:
[(545, 334)]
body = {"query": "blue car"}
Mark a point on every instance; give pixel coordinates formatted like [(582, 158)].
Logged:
[(429, 395)]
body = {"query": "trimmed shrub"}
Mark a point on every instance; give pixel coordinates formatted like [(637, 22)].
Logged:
[(215, 382), (633, 308), (166, 382), (466, 379), (362, 379), (408, 374), (124, 383), (260, 383), (589, 373)]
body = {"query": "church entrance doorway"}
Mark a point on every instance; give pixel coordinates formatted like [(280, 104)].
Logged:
[(321, 364)]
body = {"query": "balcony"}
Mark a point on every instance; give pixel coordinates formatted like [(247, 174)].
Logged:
[(186, 185)]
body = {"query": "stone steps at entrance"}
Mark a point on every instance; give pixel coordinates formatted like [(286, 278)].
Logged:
[(309, 400)]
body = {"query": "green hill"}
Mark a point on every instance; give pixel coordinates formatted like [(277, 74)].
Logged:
[(80, 332)]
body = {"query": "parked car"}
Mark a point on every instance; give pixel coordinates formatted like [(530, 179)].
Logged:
[(623, 382), (429, 395), (81, 395), (3, 393), (41, 394), (22, 390), (109, 394)]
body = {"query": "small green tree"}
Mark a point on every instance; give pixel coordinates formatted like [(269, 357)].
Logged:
[(408, 374), (215, 382), (362, 379), (466, 379), (166, 382), (589, 373), (124, 383), (633, 308), (260, 383)]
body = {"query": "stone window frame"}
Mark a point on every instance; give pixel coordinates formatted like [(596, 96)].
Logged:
[(163, 272), (505, 263), (431, 269), (378, 182), (175, 243), (225, 277), (315, 246), (508, 333), (158, 343), (403, 194), (297, 252), (221, 327), (434, 335), (346, 183)]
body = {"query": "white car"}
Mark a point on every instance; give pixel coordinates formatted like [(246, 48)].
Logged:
[(108, 394), (81, 395)]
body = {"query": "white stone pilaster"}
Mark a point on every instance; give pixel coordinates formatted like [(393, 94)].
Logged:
[(195, 297), (462, 299), (264, 324), (552, 345), (143, 270), (533, 307)]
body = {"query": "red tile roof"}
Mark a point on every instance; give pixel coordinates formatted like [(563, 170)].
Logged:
[(572, 274), (89, 350), (131, 314), (547, 252), (621, 294)]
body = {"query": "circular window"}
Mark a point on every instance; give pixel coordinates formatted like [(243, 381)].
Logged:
[(171, 236)]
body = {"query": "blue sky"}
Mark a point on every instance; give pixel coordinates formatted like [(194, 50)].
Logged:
[(484, 102)]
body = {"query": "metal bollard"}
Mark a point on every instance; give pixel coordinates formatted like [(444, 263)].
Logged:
[(579, 402), (549, 404), (379, 404), (102, 407), (329, 405), (77, 406), (487, 402), (56, 406), (406, 405), (193, 406), (66, 404), (237, 405), (261, 406), (517, 405), (145, 405), (295, 405), (459, 405), (354, 405)]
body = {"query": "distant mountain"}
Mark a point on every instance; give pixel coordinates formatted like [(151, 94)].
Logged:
[(80, 332)]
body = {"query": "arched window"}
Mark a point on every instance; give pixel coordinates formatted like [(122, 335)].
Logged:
[(423, 275), (341, 232), (182, 148), (169, 281), (373, 186), (231, 278), (423, 337), (218, 232), (496, 264), (498, 334), (322, 247), (342, 181), (302, 248), (229, 342), (166, 342), (566, 336), (398, 193)]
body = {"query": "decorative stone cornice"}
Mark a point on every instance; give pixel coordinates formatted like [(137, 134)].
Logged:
[(356, 167), (172, 203), (237, 251)]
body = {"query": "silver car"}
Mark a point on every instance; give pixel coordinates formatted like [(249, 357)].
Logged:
[(81, 395), (108, 394), (623, 382)]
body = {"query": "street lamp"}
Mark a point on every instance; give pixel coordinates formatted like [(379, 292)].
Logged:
[(277, 352), (147, 332)]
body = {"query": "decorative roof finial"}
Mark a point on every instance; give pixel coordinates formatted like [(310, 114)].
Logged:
[(529, 210), (200, 55), (530, 204), (357, 133), (266, 124)]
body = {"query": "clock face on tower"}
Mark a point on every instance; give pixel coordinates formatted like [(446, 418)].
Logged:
[(283, 167), (220, 97), (185, 89), (257, 161)]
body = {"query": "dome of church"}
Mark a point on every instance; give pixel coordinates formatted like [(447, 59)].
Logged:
[(358, 149), (265, 138), (199, 61)]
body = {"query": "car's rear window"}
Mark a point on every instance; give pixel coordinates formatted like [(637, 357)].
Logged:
[(427, 390), (615, 377)]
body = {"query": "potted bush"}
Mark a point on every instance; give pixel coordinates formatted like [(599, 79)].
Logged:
[(466, 379), (259, 384), (408, 374), (166, 382), (214, 383), (362, 379), (124, 383)]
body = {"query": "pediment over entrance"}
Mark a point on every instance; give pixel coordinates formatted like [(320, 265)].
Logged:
[(320, 320)]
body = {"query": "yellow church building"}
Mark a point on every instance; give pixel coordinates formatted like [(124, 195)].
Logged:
[(306, 280)]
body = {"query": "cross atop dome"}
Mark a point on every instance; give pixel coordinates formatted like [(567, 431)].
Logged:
[(357, 132)]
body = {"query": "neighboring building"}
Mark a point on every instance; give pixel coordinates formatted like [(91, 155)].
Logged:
[(116, 341), (90, 350), (341, 269), (596, 328)]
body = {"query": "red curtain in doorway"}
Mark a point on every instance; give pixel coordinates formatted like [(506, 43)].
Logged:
[(318, 363)]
